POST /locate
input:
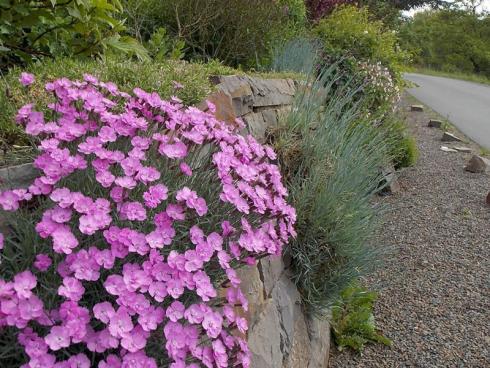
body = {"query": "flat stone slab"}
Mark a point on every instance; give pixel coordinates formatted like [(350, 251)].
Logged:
[(447, 149), (20, 176), (463, 149), (433, 123), (449, 137), (417, 108)]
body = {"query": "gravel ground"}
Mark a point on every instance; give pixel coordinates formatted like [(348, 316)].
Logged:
[(434, 288)]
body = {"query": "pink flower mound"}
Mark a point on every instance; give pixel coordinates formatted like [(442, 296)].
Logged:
[(148, 207)]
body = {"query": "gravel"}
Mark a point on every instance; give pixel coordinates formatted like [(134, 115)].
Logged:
[(434, 287)]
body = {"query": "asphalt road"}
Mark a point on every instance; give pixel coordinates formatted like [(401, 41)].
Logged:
[(465, 104)]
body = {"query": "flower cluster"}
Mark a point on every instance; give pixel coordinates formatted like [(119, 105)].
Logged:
[(148, 208), (379, 83)]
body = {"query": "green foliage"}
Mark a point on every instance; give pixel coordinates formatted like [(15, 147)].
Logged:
[(31, 30), (449, 40), (404, 149), (127, 75), (349, 31), (353, 322), (161, 47), (236, 32), (290, 57), (330, 158), (295, 9)]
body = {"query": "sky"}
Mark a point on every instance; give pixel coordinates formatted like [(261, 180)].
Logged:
[(485, 6)]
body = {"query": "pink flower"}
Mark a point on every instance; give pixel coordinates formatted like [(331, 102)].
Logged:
[(26, 79), (79, 361), (195, 313), (120, 323), (147, 174), (58, 338), (126, 182), (133, 211), (175, 311), (2, 239), (63, 240), (186, 169), (104, 311), (24, 282), (213, 324), (155, 195), (176, 150), (135, 340), (158, 290), (90, 119), (175, 211), (72, 289)]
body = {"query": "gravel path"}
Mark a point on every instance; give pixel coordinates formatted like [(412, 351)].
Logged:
[(434, 288)]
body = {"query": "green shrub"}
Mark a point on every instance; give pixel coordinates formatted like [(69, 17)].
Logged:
[(330, 158), (404, 149), (127, 75), (348, 31), (236, 32), (161, 47), (353, 322), (409, 153), (31, 30), (449, 41)]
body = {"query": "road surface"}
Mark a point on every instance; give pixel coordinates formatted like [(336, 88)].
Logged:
[(465, 104)]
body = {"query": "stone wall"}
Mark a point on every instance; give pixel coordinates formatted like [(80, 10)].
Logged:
[(280, 335)]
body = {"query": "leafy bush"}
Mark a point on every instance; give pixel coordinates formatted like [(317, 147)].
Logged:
[(409, 153), (330, 157), (353, 321), (161, 47), (234, 31), (35, 29), (348, 31), (380, 88), (404, 151), (318, 9), (158, 77), (123, 252), (449, 40)]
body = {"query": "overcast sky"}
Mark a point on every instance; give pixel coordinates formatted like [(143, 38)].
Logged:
[(485, 6)]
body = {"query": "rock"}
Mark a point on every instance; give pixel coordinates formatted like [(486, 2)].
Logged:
[(300, 352), (434, 123), (272, 92), (239, 91), (390, 181), (319, 331), (224, 107), (287, 300), (270, 269), (264, 339), (463, 149), (449, 137), (416, 108), (256, 125), (20, 176), (447, 149), (477, 164), (252, 287), (488, 198)]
